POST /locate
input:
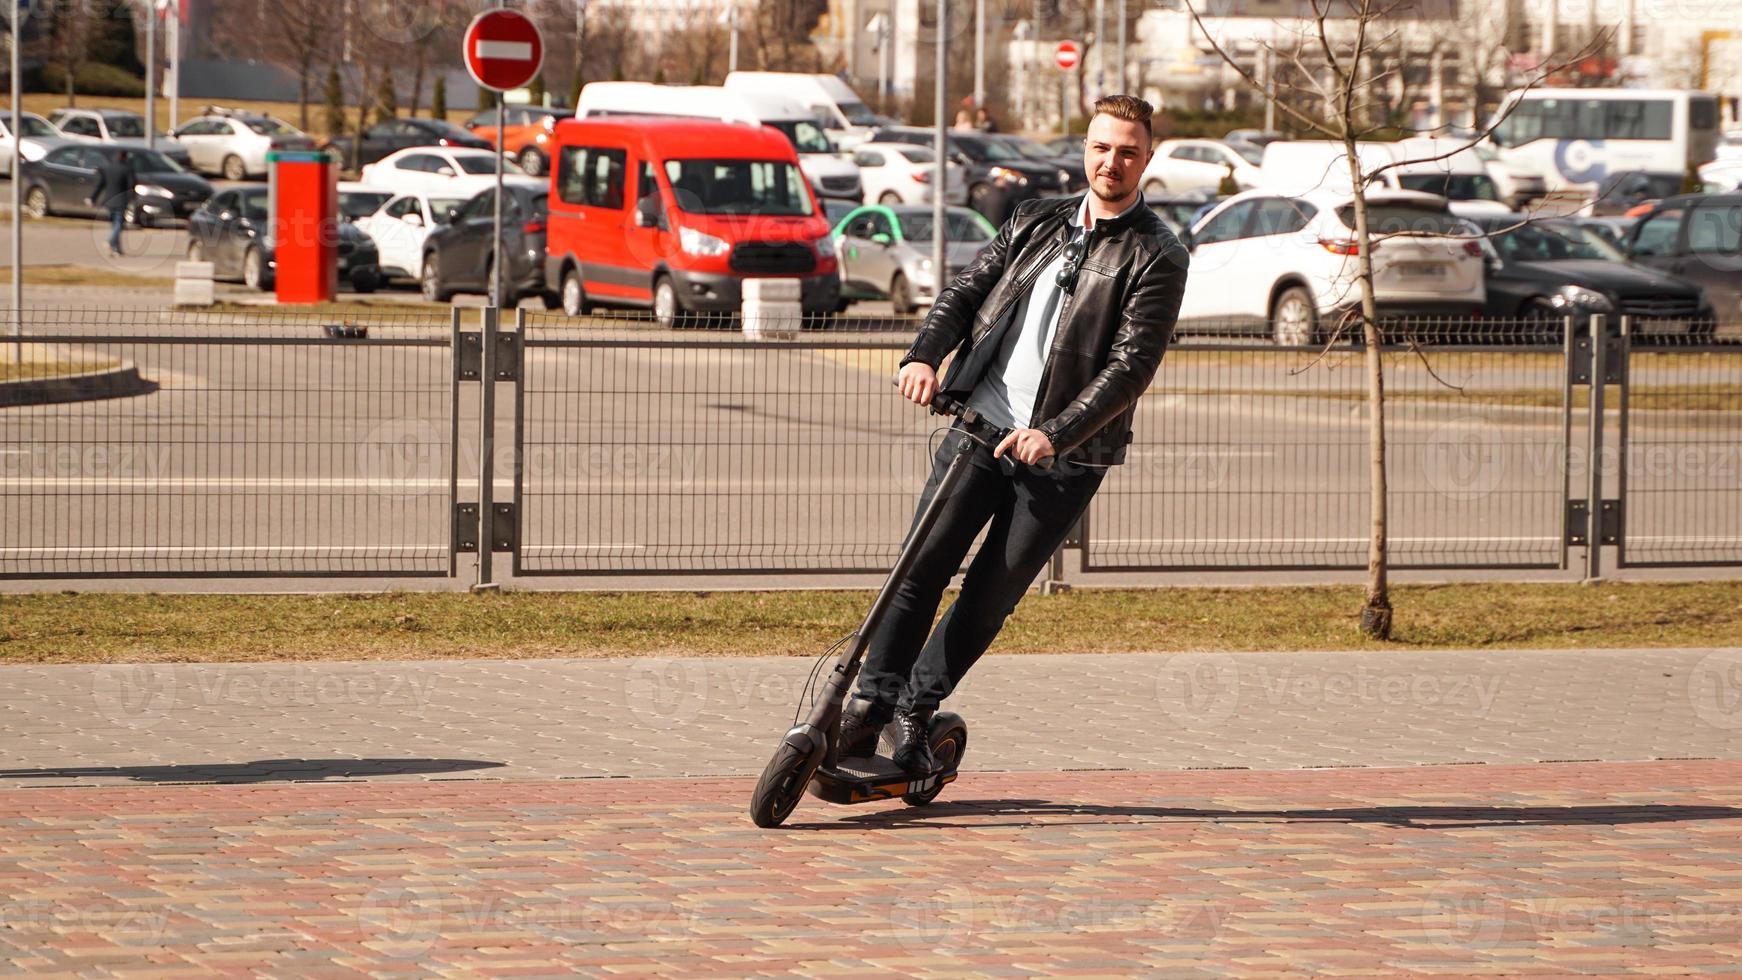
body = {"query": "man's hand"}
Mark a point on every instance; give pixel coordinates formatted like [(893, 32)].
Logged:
[(1027, 445), (918, 382)]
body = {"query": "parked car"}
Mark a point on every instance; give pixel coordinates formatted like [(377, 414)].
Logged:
[(818, 160), (40, 136), (1696, 237), (1076, 179), (451, 171), (834, 209), (528, 131), (1188, 165), (1445, 167), (402, 225), (67, 175), (832, 102), (457, 256), (234, 143), (116, 126), (674, 214), (1612, 229), (1257, 137), (1288, 266), (886, 252), (999, 177), (1630, 192), (357, 200), (1553, 269), (901, 173), (233, 231), (1518, 186), (1180, 211), (1064, 146), (1722, 176), (392, 135)]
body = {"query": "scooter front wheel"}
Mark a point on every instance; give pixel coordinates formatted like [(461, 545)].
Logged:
[(782, 785)]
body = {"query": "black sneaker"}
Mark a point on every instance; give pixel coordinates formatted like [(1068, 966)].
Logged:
[(861, 721), (913, 741)]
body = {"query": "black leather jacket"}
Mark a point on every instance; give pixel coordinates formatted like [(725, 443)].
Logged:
[(1112, 331)]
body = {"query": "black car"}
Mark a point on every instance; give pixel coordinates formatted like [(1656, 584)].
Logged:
[(1069, 163), (66, 177), (1623, 191), (456, 255), (233, 233), (1696, 237), (393, 135), (1552, 269), (999, 177)]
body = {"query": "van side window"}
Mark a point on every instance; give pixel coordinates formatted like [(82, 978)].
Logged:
[(591, 176)]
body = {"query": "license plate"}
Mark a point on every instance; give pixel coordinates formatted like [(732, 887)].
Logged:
[(1421, 270)]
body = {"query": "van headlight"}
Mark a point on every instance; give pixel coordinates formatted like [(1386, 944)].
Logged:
[(700, 243), (1582, 298)]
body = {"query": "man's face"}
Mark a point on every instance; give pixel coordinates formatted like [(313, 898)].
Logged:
[(1114, 155)]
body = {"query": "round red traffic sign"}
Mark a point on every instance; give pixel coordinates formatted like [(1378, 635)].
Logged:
[(1067, 55), (503, 49)]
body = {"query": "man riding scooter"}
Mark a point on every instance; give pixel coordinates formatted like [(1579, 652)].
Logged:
[(1057, 327)]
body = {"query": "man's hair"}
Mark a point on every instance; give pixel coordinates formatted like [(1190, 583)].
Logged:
[(1129, 108)]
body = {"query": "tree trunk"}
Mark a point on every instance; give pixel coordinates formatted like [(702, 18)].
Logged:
[(302, 94), (1376, 614), (417, 82), (72, 91)]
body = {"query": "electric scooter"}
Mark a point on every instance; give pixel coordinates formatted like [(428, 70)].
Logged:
[(805, 758)]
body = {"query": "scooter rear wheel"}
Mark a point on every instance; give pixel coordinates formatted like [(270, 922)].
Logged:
[(948, 743), (782, 785)]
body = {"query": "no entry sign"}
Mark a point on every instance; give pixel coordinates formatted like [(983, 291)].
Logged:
[(1067, 55), (503, 49)]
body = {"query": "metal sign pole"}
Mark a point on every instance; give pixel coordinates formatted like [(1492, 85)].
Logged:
[(940, 105), (151, 76), (17, 208), (496, 246)]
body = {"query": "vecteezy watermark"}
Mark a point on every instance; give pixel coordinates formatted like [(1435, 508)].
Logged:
[(85, 461), (1465, 914), (143, 696), (403, 922), (45, 923), (957, 919), (404, 457), (1196, 689), (1465, 459), (1715, 689), (1202, 689)]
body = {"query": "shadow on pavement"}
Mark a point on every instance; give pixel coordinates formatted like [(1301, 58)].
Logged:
[(259, 771), (1048, 813)]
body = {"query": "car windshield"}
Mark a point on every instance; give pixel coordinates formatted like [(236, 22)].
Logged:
[(126, 127), (1249, 152), (857, 113), (916, 226), (1033, 148), (153, 162), (440, 206), (252, 204), (1458, 187), (34, 126), (804, 136), (918, 154), (1401, 219), (984, 150), (360, 204), (268, 126), (487, 165), (1552, 243), (766, 187)]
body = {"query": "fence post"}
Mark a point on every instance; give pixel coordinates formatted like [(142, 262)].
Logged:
[(454, 353), (487, 453), (1594, 452)]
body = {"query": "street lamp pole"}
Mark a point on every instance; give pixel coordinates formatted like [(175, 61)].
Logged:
[(940, 103)]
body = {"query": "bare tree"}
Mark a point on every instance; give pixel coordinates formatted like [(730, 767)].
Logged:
[(1335, 90), (68, 42), (296, 35)]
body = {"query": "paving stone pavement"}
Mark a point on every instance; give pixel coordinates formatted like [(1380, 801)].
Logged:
[(722, 716), (1564, 869)]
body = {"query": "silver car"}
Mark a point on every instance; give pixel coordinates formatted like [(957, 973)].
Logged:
[(885, 252), (39, 136), (117, 126), (235, 143)]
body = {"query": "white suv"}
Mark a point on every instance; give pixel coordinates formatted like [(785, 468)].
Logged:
[(235, 144), (1287, 265)]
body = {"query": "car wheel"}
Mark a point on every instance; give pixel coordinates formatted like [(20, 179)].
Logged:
[(901, 296), (668, 312), (36, 203), (574, 295), (234, 169), (1294, 318), (1153, 186), (365, 281), (431, 280), (532, 161), (889, 197), (254, 274)]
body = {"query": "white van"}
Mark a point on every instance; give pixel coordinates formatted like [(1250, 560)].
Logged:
[(829, 174), (1577, 137), (1296, 167), (843, 115)]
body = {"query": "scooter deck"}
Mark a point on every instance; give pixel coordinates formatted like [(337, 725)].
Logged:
[(865, 779)]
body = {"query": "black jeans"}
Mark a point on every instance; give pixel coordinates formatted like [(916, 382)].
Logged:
[(1030, 513)]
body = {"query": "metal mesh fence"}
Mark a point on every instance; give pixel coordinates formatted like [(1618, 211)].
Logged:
[(1679, 462), (230, 444), (1258, 456)]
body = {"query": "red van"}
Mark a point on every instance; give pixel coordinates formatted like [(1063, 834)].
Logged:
[(673, 214)]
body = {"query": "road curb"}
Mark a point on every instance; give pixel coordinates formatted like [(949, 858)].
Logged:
[(117, 382)]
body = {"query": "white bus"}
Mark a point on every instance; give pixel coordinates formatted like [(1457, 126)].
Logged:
[(1575, 137)]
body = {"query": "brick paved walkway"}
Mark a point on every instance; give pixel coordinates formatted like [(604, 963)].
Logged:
[(1566, 869)]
